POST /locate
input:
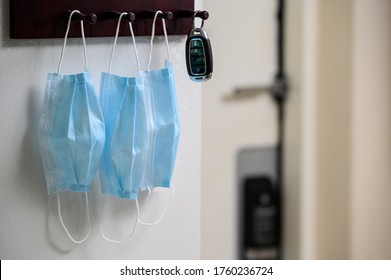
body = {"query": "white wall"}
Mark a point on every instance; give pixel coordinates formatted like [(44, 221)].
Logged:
[(333, 131), (346, 110), (302, 55), (29, 225), (371, 131)]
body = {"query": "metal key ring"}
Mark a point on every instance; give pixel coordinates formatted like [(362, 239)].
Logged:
[(194, 16)]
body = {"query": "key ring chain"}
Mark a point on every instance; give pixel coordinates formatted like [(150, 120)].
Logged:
[(194, 17)]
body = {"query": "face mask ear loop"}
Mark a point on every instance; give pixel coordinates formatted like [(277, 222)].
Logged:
[(64, 226), (65, 42), (166, 38), (134, 46), (152, 36), (115, 40), (84, 45), (164, 210), (149, 193), (131, 232)]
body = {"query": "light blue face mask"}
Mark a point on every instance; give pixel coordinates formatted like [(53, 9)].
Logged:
[(163, 120), (126, 148), (71, 131)]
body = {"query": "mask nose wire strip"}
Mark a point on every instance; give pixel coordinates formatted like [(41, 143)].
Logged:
[(164, 210), (65, 42), (64, 226), (115, 40), (153, 36), (130, 233)]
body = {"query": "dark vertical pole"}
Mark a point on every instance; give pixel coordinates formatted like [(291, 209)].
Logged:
[(280, 107), (280, 171), (279, 92), (280, 38)]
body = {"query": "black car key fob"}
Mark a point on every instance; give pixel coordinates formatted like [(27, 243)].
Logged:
[(199, 58)]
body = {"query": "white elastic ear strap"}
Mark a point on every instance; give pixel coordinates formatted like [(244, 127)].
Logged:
[(64, 226), (133, 230), (166, 38), (153, 36), (115, 40), (134, 46), (65, 42), (164, 210)]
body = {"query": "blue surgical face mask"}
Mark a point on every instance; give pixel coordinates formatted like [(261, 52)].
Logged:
[(126, 149), (125, 153), (163, 120), (71, 131)]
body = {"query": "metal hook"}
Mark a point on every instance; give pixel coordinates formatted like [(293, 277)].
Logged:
[(114, 15), (151, 14), (204, 15), (90, 18)]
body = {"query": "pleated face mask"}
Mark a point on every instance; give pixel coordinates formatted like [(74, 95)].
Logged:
[(163, 124), (71, 130), (126, 148), (163, 120)]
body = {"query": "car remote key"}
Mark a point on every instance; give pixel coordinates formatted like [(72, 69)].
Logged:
[(199, 58)]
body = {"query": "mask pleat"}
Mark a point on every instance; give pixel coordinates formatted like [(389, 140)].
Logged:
[(122, 142)]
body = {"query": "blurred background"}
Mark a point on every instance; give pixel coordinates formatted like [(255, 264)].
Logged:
[(336, 191)]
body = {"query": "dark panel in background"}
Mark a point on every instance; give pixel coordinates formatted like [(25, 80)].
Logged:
[(260, 209)]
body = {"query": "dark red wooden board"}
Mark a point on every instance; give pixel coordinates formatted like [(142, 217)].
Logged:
[(33, 19)]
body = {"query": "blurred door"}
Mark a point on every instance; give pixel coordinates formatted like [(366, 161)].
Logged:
[(242, 34)]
